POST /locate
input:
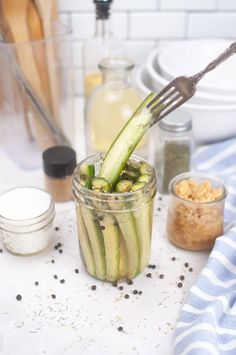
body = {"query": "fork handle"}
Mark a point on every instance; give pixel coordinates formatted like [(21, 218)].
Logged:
[(221, 58)]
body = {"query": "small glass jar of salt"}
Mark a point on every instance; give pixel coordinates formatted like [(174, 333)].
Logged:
[(26, 219)]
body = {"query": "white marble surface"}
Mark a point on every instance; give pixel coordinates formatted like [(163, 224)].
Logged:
[(80, 320)]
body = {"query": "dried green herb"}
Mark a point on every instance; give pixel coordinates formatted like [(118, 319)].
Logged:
[(176, 161)]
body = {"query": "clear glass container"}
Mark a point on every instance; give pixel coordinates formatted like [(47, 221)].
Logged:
[(101, 45), (26, 220), (46, 66), (174, 147), (114, 229), (111, 105), (194, 225)]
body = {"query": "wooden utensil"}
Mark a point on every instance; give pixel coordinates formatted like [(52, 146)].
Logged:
[(46, 9), (14, 13), (36, 34)]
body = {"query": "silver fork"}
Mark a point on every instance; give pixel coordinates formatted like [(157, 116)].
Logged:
[(182, 88)]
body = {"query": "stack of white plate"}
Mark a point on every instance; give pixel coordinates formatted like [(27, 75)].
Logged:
[(213, 108)]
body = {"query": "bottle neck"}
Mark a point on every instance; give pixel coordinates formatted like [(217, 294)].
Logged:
[(103, 28), (120, 78)]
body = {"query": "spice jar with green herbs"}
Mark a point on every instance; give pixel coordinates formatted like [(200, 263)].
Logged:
[(174, 149)]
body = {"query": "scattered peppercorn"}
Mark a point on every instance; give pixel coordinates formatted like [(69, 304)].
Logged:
[(135, 292), (161, 276), (53, 296), (56, 247), (186, 264), (160, 198), (114, 284), (52, 261), (19, 297), (140, 292), (173, 258), (59, 245), (126, 295), (55, 277), (190, 269), (159, 209), (36, 283), (56, 228), (182, 277), (62, 281), (179, 284), (130, 282), (120, 329), (76, 271), (154, 266), (100, 218), (121, 288), (1, 251), (103, 228), (150, 266), (149, 275), (94, 287), (60, 251)]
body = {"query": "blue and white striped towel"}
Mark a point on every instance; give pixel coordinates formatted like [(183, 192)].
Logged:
[(207, 323)]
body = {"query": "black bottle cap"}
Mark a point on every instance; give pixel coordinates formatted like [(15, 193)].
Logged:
[(102, 9), (59, 161)]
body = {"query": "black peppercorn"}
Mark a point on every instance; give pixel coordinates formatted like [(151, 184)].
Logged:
[(76, 271), (53, 296), (190, 269), (182, 277), (52, 261), (19, 297), (103, 228), (140, 292), (173, 258), (56, 228), (62, 281), (121, 288), (60, 251), (94, 287), (180, 284), (1, 251), (120, 329), (114, 284), (55, 277), (130, 282), (36, 283), (161, 276), (135, 292), (149, 275), (126, 295), (186, 264)]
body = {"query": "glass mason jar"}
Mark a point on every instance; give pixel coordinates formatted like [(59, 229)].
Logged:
[(114, 229), (195, 225), (24, 229), (45, 65), (111, 105), (174, 149)]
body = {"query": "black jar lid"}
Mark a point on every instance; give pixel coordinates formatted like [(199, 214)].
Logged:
[(59, 161)]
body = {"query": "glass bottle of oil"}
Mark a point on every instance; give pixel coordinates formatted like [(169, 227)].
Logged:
[(111, 105), (102, 45)]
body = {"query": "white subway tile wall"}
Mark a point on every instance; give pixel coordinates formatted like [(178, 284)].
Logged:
[(142, 24)]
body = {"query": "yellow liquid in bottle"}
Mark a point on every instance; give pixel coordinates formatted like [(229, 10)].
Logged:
[(91, 81), (108, 113)]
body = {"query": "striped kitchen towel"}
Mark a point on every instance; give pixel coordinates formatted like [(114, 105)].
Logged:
[(207, 323)]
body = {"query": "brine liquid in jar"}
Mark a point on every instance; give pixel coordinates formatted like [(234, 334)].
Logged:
[(111, 105)]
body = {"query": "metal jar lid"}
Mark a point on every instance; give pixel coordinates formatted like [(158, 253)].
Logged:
[(177, 121)]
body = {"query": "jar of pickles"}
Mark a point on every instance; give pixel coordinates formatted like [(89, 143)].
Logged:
[(196, 211)]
